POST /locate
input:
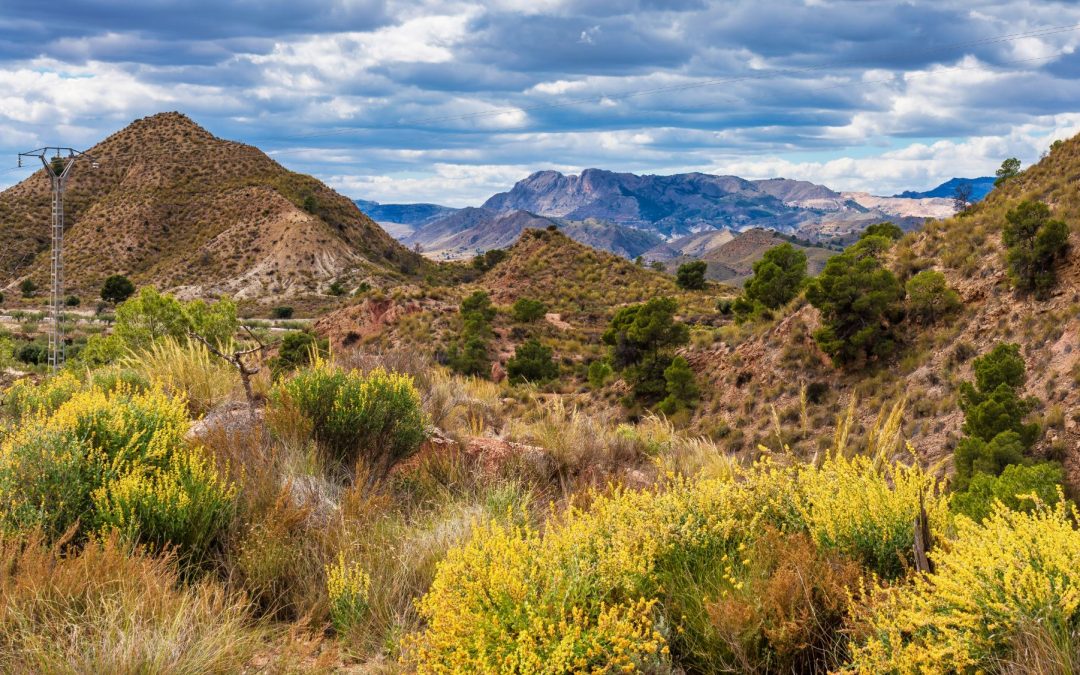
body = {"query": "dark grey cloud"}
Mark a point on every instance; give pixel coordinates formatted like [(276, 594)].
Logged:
[(449, 97)]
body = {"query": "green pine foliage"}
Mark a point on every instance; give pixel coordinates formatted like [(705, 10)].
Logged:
[(682, 390), (929, 298), (1019, 487), (861, 302), (778, 277), (691, 276), (527, 310), (469, 354), (996, 434), (1035, 243), (531, 362), (641, 338)]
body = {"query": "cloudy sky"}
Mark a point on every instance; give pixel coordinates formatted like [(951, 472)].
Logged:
[(452, 100)]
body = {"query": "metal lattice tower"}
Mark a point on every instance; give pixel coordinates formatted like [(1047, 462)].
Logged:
[(58, 169)]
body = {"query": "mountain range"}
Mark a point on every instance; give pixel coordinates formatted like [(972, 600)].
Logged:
[(980, 187), (659, 217)]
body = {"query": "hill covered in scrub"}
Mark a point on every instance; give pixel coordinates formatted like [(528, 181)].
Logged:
[(758, 376), (174, 206)]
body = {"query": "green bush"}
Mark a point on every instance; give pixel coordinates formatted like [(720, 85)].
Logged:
[(682, 391), (778, 276), (33, 353), (1035, 243), (527, 310), (375, 418), (860, 304), (113, 461), (488, 259), (282, 312), (691, 276), (150, 316), (599, 372), (885, 229), (996, 435), (1012, 488), (28, 288), (72, 301), (117, 289), (297, 349), (531, 362), (641, 338), (336, 288), (929, 297), (469, 354)]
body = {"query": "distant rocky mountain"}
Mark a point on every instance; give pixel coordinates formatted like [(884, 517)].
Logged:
[(664, 218), (470, 230), (980, 187), (683, 204), (401, 220)]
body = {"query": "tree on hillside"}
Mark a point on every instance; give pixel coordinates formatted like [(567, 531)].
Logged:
[(469, 355), (996, 435), (691, 276), (883, 229), (531, 362), (1035, 243), (860, 303), (642, 338), (28, 288), (488, 259), (117, 288), (778, 276), (1010, 168), (962, 197), (150, 316), (527, 310), (682, 390), (929, 297)]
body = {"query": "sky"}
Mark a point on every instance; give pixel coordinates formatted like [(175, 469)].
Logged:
[(450, 101)]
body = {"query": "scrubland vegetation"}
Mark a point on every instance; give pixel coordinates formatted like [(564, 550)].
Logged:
[(519, 482), (153, 520)]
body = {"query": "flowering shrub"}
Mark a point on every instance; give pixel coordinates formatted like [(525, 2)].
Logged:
[(25, 398), (112, 460), (184, 503), (652, 566), (1005, 592), (851, 507), (347, 587), (376, 418)]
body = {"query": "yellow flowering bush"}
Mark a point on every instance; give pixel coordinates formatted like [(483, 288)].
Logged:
[(25, 398), (183, 503), (347, 586), (853, 507), (655, 565), (112, 460), (1003, 592), (506, 603)]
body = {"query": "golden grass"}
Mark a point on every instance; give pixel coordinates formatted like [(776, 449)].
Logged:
[(107, 609), (189, 369)]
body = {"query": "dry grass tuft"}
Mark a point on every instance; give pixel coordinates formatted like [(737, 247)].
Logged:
[(107, 609)]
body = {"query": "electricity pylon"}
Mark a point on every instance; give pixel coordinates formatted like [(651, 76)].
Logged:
[(58, 168)]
